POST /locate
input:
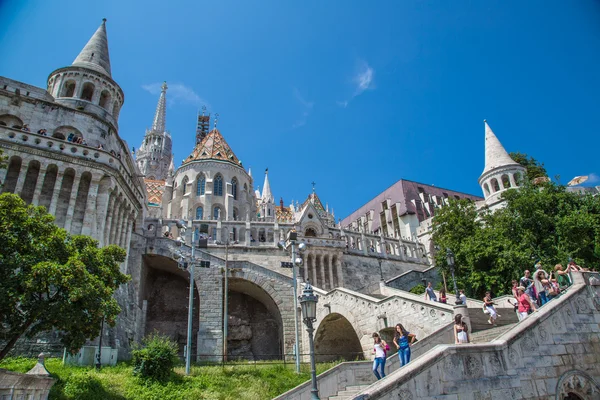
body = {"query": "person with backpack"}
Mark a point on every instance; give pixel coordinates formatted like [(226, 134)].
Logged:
[(403, 340), (379, 348)]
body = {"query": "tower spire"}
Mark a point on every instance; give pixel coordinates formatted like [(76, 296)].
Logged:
[(95, 53), (495, 155), (160, 118), (267, 196)]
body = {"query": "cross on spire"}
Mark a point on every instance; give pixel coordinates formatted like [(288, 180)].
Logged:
[(216, 119), (313, 185)]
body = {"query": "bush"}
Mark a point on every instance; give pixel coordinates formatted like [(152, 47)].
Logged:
[(84, 386), (156, 358), (419, 289)]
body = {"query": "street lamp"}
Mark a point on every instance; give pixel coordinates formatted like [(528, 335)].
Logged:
[(308, 302), (450, 261), (296, 261)]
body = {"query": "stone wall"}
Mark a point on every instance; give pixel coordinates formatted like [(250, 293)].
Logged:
[(552, 353), (410, 279)]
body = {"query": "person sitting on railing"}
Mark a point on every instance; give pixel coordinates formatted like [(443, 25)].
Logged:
[(25, 128), (42, 132)]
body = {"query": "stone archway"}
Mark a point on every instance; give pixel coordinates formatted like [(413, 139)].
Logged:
[(336, 339), (576, 385), (255, 328), (165, 289)]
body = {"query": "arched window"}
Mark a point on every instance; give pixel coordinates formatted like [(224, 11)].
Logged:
[(495, 185), (517, 177), (234, 184), (486, 189), (218, 186), (505, 181), (184, 183), (310, 232), (199, 212), (88, 91), (235, 214), (105, 99), (11, 120), (216, 212), (245, 188), (200, 185), (68, 89)]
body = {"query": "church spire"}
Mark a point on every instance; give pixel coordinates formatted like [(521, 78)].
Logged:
[(495, 155), (95, 53), (267, 196), (160, 118)]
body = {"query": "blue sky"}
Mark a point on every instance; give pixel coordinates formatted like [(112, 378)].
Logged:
[(349, 95)]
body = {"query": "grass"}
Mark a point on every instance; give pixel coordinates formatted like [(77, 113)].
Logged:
[(250, 382)]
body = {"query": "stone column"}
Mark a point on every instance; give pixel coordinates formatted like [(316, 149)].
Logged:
[(247, 233), (117, 213), (56, 192), (330, 267), (89, 218), (38, 186), (124, 224), (71, 208), (308, 264), (105, 222), (128, 240), (363, 242), (339, 272), (314, 269), (21, 178), (463, 310), (210, 333), (219, 229)]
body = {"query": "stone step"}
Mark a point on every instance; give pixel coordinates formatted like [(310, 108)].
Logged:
[(349, 392), (489, 334)]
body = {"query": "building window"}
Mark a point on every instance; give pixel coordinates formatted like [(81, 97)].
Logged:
[(201, 185), (216, 212), (234, 184), (495, 185), (88, 91), (218, 186), (184, 185), (199, 212)]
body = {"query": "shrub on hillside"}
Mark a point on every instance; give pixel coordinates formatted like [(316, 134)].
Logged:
[(155, 358), (419, 289)]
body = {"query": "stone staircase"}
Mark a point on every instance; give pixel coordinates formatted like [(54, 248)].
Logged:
[(349, 392), (487, 335)]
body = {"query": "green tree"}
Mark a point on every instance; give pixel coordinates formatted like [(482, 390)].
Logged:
[(535, 169), (544, 223), (52, 280)]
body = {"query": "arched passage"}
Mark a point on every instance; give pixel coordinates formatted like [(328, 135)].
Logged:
[(165, 288), (255, 328), (336, 339)]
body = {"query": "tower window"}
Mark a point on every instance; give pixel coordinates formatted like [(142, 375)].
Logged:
[(88, 91), (68, 89), (218, 186), (200, 185), (234, 184)]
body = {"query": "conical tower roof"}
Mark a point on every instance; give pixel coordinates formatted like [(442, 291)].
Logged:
[(95, 53), (213, 147), (495, 155), (267, 196), (160, 118)]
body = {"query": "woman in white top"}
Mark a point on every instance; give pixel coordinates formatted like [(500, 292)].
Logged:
[(379, 348)]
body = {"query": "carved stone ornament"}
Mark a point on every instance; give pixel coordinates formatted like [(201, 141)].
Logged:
[(577, 384), (404, 394)]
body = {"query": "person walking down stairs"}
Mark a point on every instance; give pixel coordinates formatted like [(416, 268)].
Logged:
[(461, 330), (488, 308), (403, 340), (379, 348)]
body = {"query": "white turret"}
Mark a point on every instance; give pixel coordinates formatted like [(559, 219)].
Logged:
[(500, 172)]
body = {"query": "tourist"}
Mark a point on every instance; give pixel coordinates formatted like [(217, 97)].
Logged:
[(461, 330), (429, 292), (562, 277), (540, 282), (463, 297), (42, 132), (527, 283), (488, 308), (515, 293), (443, 298), (403, 340), (525, 304), (379, 348), (25, 128)]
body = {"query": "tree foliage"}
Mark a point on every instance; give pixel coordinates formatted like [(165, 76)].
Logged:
[(544, 223), (535, 169), (52, 280), (156, 358)]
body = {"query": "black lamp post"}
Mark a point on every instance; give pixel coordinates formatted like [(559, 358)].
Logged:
[(308, 302), (450, 261)]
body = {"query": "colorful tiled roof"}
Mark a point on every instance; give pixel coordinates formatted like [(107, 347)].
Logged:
[(213, 147), (284, 214), (317, 203), (155, 190)]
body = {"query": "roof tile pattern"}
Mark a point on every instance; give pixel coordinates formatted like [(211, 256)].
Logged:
[(155, 190), (213, 147)]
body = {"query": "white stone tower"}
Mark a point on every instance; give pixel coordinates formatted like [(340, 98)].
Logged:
[(500, 173), (154, 157), (87, 84), (267, 202)]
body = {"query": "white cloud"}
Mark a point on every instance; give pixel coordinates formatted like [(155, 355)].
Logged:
[(177, 93), (307, 107), (362, 80), (593, 178)]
